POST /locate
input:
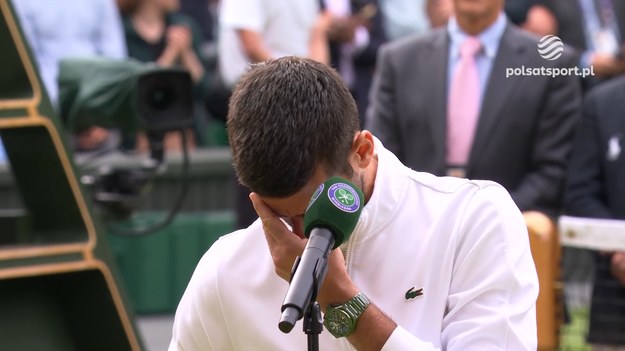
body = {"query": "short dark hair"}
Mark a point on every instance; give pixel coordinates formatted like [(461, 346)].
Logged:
[(287, 116)]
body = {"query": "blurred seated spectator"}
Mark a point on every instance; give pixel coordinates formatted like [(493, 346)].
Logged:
[(66, 28), (596, 28), (156, 32), (595, 188)]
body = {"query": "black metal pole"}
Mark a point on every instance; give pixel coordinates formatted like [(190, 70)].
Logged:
[(313, 325)]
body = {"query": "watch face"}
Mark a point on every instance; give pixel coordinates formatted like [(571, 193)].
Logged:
[(339, 323)]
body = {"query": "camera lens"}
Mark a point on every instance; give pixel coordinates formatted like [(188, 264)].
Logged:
[(161, 97), (165, 100)]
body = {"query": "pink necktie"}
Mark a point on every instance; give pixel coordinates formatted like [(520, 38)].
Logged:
[(463, 105)]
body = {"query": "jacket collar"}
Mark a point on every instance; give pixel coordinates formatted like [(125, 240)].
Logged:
[(388, 191)]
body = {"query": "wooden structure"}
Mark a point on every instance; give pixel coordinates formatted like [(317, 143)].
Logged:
[(58, 288), (545, 248)]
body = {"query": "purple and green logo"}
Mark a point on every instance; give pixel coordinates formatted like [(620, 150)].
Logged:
[(344, 197)]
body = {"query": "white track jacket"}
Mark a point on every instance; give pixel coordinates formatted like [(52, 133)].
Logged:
[(463, 242)]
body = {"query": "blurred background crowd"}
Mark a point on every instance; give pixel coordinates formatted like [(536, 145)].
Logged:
[(553, 142)]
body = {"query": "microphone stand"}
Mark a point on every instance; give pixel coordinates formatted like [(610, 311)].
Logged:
[(313, 323)]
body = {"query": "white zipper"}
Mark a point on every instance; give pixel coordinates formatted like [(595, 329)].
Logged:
[(345, 249)]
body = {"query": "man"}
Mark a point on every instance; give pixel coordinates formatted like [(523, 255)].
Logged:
[(445, 262), (443, 109), (595, 188)]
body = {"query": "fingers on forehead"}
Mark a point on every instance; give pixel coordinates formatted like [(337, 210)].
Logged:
[(263, 211)]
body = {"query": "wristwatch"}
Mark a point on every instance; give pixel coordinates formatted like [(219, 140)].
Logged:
[(340, 320)]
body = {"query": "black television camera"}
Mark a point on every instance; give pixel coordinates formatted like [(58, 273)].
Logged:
[(129, 96)]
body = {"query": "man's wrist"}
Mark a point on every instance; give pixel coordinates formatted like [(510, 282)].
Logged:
[(339, 296), (341, 320)]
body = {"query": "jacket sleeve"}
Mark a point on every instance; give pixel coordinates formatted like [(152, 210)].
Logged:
[(491, 303), (198, 324), (381, 117), (585, 193), (542, 187)]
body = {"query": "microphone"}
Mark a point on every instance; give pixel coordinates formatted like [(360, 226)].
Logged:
[(330, 218)]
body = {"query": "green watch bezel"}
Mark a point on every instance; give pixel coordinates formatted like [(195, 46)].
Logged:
[(341, 320)]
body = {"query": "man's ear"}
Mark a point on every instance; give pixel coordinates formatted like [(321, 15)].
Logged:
[(362, 148)]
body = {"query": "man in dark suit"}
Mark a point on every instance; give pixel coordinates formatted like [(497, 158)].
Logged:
[(523, 125), (596, 188)]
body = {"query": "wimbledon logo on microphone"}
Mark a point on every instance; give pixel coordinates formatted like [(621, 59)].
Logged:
[(550, 47), (344, 197)]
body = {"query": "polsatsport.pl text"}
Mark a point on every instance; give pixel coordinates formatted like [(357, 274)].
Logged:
[(550, 71)]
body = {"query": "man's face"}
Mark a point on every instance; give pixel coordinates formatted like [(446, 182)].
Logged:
[(292, 208), (477, 8)]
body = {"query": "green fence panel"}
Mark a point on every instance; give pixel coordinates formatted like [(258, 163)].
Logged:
[(157, 267)]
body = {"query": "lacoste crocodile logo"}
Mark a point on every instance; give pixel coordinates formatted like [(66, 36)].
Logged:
[(413, 293)]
